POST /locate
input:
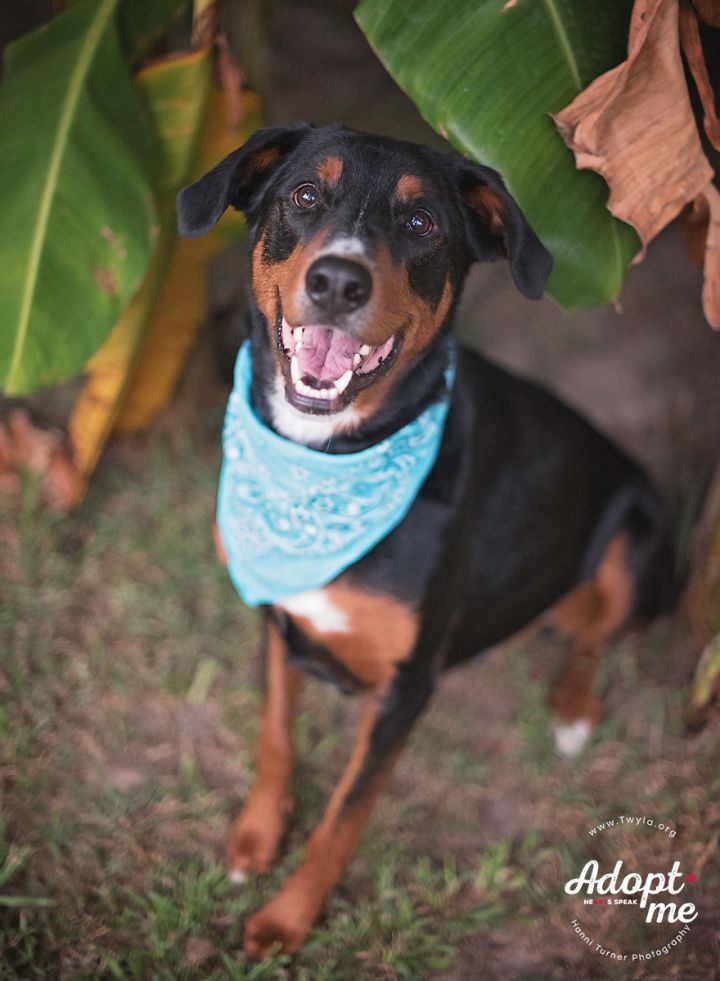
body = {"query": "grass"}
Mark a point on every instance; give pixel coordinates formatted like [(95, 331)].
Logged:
[(128, 690)]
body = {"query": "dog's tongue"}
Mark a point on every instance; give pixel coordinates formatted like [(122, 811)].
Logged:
[(326, 354)]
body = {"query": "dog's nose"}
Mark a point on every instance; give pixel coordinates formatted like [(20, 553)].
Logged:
[(338, 286)]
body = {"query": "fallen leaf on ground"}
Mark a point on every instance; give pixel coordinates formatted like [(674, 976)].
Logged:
[(23, 445)]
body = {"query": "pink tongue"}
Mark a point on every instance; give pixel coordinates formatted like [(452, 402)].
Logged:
[(326, 354)]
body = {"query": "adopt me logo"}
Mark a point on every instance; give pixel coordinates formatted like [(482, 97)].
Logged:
[(661, 898)]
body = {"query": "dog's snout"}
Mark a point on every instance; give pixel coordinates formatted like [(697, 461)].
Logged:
[(338, 286)]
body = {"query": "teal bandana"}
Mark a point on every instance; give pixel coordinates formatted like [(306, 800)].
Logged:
[(292, 518)]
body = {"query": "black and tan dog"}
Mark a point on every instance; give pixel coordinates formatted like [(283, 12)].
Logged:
[(360, 246)]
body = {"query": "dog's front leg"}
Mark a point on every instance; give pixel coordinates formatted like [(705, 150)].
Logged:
[(256, 833), (289, 916)]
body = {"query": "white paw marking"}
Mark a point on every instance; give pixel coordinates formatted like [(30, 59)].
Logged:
[(237, 876), (317, 607), (571, 737)]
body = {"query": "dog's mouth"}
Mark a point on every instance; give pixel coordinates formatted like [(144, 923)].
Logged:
[(326, 368)]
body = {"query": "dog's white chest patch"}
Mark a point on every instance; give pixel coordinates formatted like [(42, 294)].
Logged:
[(302, 427), (317, 607)]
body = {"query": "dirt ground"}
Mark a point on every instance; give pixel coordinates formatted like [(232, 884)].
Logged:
[(129, 682)]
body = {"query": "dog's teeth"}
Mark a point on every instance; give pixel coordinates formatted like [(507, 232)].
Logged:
[(365, 350), (298, 333), (342, 383), (357, 361), (302, 389), (295, 370), (326, 393)]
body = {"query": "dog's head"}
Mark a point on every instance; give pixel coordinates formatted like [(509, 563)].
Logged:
[(360, 245)]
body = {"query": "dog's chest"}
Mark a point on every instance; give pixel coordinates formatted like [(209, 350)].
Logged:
[(348, 634), (320, 610)]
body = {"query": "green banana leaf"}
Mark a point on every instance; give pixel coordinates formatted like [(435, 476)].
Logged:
[(486, 75), (141, 23), (77, 188), (176, 91)]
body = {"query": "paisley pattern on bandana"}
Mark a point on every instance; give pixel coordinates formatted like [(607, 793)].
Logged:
[(292, 518)]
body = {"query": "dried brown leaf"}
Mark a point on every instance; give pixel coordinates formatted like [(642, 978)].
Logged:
[(206, 16), (695, 221), (711, 268), (635, 126), (23, 445), (693, 51), (708, 11), (232, 80)]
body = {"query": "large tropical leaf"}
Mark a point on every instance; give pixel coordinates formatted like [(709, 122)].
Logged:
[(181, 303), (76, 195), (143, 22), (135, 372), (108, 373), (486, 74), (176, 92)]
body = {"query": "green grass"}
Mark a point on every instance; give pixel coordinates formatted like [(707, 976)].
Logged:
[(128, 696)]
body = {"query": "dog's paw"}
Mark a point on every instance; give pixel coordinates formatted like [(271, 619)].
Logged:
[(254, 841), (571, 738), (275, 929)]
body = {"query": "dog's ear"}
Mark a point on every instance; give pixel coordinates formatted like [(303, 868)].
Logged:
[(237, 180), (495, 226)]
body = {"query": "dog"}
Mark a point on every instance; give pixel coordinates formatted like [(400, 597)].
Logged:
[(498, 507)]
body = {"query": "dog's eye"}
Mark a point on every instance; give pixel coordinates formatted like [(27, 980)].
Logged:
[(420, 223), (305, 196)]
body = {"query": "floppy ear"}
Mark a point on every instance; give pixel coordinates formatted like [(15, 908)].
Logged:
[(236, 180), (495, 226)]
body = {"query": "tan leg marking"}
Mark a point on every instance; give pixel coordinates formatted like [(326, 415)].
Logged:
[(219, 547), (256, 833), (589, 616), (289, 916)]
